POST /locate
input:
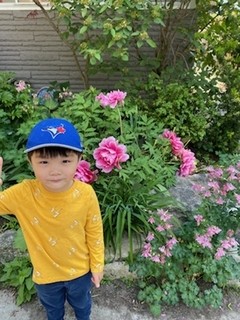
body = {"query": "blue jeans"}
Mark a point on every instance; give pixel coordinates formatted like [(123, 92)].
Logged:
[(76, 292)]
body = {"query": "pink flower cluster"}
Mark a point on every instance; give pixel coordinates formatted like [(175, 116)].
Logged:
[(205, 239), (112, 98), (226, 245), (110, 154), (220, 184), (164, 251), (186, 156), (84, 173), (199, 218), (21, 85)]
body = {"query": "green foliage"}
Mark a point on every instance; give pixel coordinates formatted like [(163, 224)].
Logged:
[(126, 195), (181, 105), (18, 274), (217, 54), (10, 224), (112, 36)]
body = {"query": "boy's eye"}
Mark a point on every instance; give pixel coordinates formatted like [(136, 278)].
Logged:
[(43, 162), (66, 161)]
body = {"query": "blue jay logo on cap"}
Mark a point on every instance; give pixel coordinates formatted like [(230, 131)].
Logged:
[(55, 131)]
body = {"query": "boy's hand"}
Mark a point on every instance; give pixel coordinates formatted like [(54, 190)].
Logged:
[(1, 164), (96, 278)]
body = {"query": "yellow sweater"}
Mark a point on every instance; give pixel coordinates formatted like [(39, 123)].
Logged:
[(63, 230)]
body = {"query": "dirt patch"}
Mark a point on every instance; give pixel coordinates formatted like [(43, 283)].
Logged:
[(117, 293)]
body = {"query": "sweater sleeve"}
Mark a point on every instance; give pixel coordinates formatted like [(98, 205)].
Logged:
[(94, 234)]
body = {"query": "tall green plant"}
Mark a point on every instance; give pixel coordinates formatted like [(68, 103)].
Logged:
[(127, 195)]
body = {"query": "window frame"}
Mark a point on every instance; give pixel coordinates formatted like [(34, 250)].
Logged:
[(22, 5)]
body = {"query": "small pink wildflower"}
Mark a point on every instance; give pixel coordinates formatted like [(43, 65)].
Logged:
[(151, 220), (228, 187), (230, 233), (21, 85), (170, 243), (198, 187), (156, 258), (220, 253), (147, 248), (212, 230), (215, 172), (164, 215), (237, 196), (199, 218), (207, 194), (228, 243), (168, 226), (214, 185), (150, 236), (160, 228), (219, 201), (204, 240)]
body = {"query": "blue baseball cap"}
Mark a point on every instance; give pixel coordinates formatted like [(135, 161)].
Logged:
[(54, 132)]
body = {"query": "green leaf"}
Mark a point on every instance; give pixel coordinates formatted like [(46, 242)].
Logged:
[(83, 29)]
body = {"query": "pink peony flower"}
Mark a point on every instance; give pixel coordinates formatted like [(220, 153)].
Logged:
[(103, 99), (188, 163), (84, 173), (116, 97), (110, 154), (176, 142), (111, 99), (186, 156)]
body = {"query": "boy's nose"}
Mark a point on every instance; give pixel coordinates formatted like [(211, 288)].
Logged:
[(55, 171)]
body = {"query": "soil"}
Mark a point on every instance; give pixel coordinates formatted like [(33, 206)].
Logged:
[(117, 293)]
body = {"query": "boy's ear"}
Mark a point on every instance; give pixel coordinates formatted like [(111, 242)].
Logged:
[(29, 162)]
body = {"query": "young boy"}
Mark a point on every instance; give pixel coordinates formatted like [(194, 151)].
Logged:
[(60, 220)]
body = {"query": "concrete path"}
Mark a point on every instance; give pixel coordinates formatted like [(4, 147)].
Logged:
[(34, 311)]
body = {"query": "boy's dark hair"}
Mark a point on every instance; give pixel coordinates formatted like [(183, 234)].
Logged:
[(51, 152)]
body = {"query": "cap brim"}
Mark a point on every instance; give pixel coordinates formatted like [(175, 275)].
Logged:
[(52, 145)]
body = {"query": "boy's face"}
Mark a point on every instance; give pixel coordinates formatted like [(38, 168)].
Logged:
[(55, 173)]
